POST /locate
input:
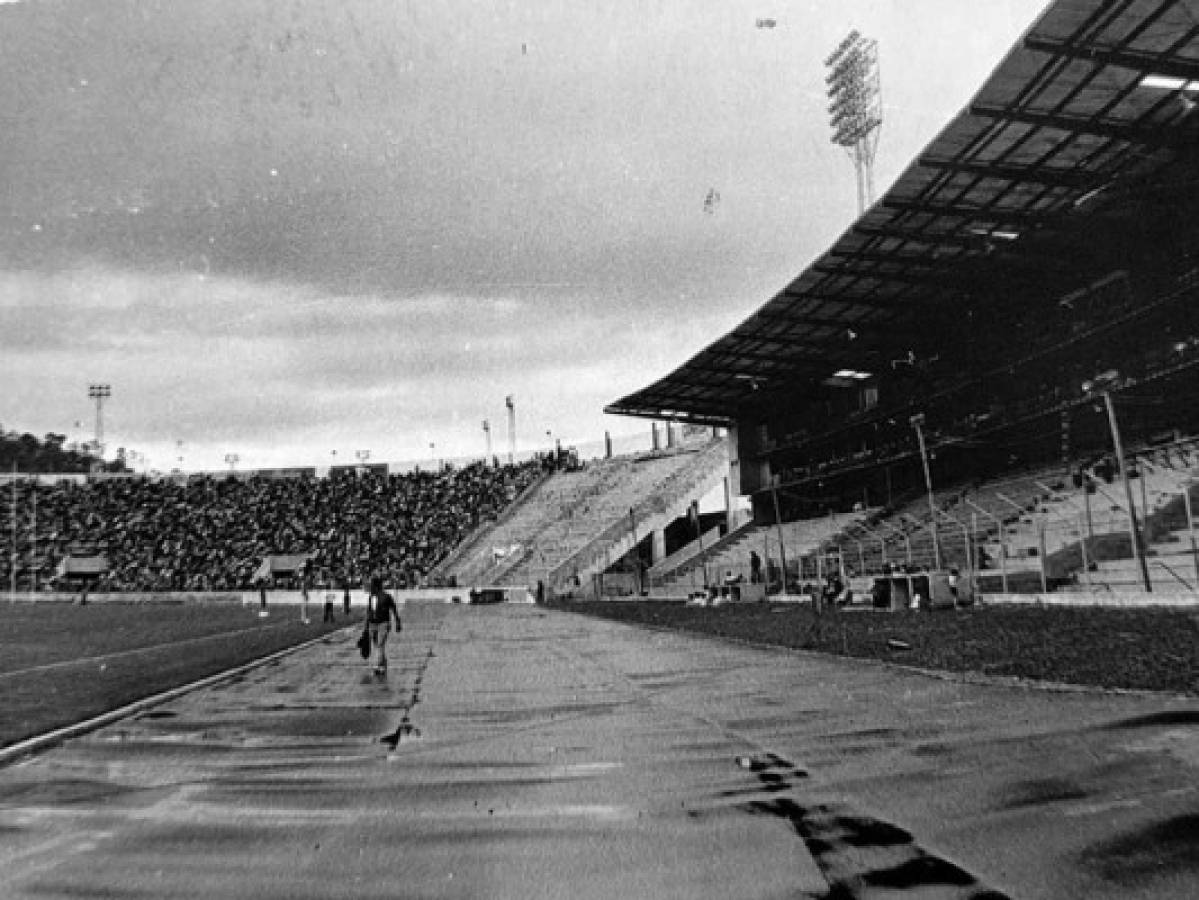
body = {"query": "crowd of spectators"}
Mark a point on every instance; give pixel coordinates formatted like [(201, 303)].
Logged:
[(206, 533)]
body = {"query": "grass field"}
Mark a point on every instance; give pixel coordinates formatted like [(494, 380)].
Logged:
[(61, 663), (1147, 649)]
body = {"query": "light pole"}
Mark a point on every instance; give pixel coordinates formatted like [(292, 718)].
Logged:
[(433, 456), (13, 519), (179, 454), (99, 393), (917, 422), (487, 438), (1137, 548), (855, 108), (363, 456), (510, 403), (232, 459)]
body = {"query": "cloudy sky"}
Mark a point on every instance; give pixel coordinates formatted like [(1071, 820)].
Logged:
[(297, 229)]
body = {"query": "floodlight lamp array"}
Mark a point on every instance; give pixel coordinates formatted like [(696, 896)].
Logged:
[(855, 108)]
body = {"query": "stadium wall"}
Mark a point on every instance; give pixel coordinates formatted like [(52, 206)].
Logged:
[(316, 597)]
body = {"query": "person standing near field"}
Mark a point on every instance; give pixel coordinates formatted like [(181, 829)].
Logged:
[(380, 610), (305, 587)]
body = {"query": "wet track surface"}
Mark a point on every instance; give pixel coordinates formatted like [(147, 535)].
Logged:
[(515, 752)]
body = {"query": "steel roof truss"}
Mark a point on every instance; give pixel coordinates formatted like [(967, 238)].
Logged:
[(1117, 131), (1124, 57), (1054, 177)]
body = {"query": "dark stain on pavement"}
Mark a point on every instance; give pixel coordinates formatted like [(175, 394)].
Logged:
[(858, 854), (919, 871), (67, 790), (1040, 791), (1162, 848), (93, 892), (1170, 717), (201, 838), (405, 729)]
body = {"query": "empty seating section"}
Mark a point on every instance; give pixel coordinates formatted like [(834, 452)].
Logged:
[(573, 518), (731, 555), (1037, 521)]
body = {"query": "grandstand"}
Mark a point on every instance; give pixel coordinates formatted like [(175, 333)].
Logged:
[(577, 525), (551, 520), (1037, 260), (993, 369), (204, 533)]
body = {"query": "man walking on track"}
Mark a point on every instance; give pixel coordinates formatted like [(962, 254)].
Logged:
[(380, 610)]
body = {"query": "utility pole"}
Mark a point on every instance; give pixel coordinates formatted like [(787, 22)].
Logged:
[(778, 524), (33, 541), (99, 393), (510, 403), (636, 553), (917, 423), (487, 437), (14, 531), (1138, 550)]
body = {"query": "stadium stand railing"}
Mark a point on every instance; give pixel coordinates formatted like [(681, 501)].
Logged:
[(573, 524), (479, 534)]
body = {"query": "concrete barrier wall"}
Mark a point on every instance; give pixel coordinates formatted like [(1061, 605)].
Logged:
[(1122, 600), (316, 597), (165, 597)]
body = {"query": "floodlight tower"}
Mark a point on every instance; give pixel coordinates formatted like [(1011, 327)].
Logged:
[(99, 393), (510, 402), (856, 107)]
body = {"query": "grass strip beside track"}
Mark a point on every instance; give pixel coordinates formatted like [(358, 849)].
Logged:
[(60, 664), (1142, 649)]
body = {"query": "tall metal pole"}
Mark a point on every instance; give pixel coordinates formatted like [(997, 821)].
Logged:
[(699, 539), (1086, 500), (1186, 499), (1086, 562), (1041, 555), (917, 423), (14, 531), (778, 524), (510, 403), (33, 543), (636, 553), (487, 437), (1134, 529), (855, 108), (99, 393), (975, 560)]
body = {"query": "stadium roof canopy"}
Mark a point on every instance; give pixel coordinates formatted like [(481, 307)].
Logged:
[(1083, 134)]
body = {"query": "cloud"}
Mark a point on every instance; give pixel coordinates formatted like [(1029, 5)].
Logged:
[(284, 228), (217, 361)]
